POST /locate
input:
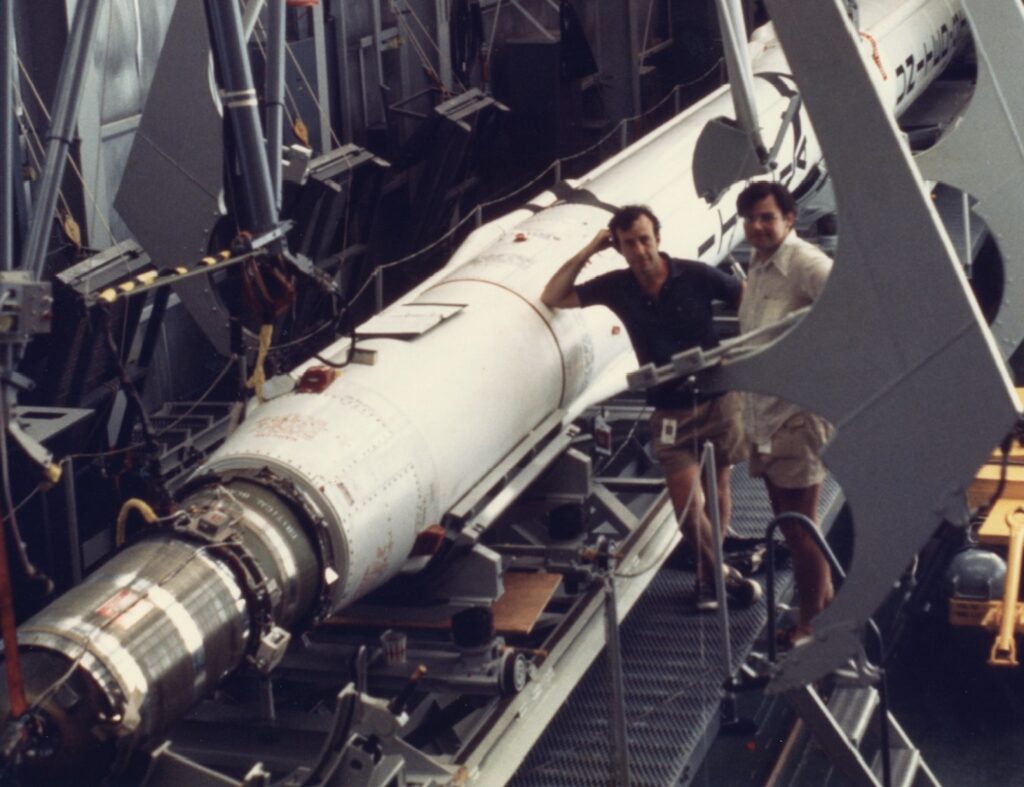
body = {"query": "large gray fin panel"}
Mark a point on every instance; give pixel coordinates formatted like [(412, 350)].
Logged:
[(170, 194), (895, 352), (983, 153)]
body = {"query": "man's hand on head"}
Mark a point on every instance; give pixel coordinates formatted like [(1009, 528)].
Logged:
[(601, 241)]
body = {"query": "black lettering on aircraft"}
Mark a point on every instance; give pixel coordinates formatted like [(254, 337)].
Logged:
[(943, 42), (705, 246)]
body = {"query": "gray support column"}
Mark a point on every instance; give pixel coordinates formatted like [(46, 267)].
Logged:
[(444, 56), (275, 92), (341, 47), (65, 113), (619, 67), (7, 136), (239, 97), (323, 93)]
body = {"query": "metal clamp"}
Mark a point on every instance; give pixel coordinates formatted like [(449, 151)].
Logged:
[(216, 527), (315, 524)]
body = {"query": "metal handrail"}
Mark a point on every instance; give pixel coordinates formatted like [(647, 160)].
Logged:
[(837, 570)]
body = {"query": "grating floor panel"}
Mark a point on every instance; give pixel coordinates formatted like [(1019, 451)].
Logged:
[(672, 675)]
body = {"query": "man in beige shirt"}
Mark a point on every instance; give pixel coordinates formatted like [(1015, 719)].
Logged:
[(786, 273)]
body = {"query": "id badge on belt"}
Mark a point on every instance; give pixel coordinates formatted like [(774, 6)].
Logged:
[(668, 431)]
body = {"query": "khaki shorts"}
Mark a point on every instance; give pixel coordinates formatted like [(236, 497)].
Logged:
[(717, 420), (794, 461)]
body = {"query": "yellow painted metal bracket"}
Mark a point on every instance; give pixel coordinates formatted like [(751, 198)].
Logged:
[(1004, 649)]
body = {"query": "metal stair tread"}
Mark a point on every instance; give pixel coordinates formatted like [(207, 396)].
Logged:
[(853, 708), (905, 764)]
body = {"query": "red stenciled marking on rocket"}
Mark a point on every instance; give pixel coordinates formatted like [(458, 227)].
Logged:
[(344, 491), (290, 427), (376, 569), (125, 608)]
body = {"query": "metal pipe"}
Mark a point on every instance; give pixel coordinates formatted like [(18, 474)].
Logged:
[(716, 536), (65, 116), (323, 96), (968, 245), (884, 731), (617, 721), (74, 535), (7, 136), (769, 535), (737, 60), (1004, 648), (378, 57), (275, 92), (444, 47), (344, 70), (239, 97)]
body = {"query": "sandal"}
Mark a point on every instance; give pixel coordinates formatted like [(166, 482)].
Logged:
[(790, 637)]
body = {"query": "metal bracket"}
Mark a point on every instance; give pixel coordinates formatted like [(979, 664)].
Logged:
[(216, 526), (287, 490), (26, 307)]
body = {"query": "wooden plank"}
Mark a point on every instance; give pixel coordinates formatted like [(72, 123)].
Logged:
[(515, 613), (987, 480), (524, 599)]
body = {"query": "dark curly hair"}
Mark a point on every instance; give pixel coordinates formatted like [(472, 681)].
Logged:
[(626, 216), (757, 191)]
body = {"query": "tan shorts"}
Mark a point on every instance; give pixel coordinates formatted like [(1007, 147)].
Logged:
[(794, 461), (717, 420)]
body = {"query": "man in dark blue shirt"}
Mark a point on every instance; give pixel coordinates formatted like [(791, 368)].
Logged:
[(666, 307)]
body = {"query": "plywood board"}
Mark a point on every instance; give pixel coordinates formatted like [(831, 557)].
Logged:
[(515, 613)]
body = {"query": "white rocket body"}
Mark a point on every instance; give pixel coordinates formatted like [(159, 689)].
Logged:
[(387, 448), (318, 498)]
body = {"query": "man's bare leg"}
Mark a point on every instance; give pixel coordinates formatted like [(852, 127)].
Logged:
[(810, 567), (693, 521)]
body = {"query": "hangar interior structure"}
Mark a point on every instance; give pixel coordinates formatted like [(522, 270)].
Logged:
[(303, 485)]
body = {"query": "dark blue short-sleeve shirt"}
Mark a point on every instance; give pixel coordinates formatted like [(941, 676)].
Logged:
[(679, 317)]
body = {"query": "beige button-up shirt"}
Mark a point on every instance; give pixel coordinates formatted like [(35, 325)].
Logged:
[(793, 277)]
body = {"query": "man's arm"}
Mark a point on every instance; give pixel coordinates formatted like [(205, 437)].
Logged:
[(560, 292), (726, 287)]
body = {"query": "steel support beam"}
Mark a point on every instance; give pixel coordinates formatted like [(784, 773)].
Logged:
[(620, 66), (444, 46), (7, 136), (65, 114), (239, 97), (275, 92)]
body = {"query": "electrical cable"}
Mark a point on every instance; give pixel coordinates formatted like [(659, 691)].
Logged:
[(466, 31), (28, 567), (132, 504), (135, 446)]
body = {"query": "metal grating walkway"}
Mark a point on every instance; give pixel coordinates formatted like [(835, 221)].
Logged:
[(672, 676)]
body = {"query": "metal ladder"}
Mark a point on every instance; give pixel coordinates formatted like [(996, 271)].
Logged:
[(845, 727), (855, 717)]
